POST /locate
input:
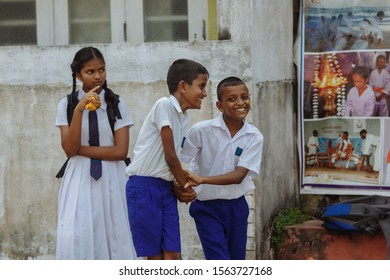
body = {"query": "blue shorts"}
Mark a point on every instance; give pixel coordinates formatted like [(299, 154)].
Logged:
[(153, 216), (222, 227)]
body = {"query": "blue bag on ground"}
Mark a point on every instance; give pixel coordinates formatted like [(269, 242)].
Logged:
[(366, 214)]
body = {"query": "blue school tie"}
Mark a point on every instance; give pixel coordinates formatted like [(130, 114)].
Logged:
[(96, 164)]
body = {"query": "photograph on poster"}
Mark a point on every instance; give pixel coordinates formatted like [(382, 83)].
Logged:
[(345, 97), (386, 153), (348, 84), (343, 151), (333, 25)]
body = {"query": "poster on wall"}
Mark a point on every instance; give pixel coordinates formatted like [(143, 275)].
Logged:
[(344, 95)]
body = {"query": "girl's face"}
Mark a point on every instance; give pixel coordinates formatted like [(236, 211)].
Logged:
[(359, 82), (235, 103), (92, 74)]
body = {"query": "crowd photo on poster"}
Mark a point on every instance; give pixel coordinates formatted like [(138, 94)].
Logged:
[(345, 97)]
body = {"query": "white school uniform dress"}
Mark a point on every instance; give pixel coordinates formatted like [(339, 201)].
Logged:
[(149, 158), (92, 215), (210, 150)]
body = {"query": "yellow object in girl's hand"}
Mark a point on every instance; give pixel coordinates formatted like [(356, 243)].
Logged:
[(93, 106)]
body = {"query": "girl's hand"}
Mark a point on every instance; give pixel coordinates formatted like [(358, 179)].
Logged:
[(193, 179), (91, 96)]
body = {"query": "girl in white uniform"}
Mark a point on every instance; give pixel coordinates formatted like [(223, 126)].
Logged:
[(92, 213)]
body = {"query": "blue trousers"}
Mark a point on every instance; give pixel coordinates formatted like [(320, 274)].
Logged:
[(222, 227), (153, 216)]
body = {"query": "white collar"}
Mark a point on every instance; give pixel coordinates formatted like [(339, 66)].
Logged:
[(176, 104), (245, 129)]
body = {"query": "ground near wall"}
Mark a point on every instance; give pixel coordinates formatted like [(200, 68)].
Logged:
[(311, 241)]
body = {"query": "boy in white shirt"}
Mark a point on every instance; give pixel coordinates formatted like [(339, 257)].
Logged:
[(224, 155), (152, 207), (379, 78)]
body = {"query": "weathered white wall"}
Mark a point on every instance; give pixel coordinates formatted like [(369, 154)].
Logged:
[(275, 115), (33, 80)]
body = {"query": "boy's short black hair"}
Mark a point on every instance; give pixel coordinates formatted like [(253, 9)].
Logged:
[(380, 14), (363, 131), (183, 70), (361, 71), (381, 56), (228, 82)]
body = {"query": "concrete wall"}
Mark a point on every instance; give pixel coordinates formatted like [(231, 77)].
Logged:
[(33, 79), (275, 114)]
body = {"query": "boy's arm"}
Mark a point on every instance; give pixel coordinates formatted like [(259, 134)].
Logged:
[(171, 156), (233, 177), (183, 195)]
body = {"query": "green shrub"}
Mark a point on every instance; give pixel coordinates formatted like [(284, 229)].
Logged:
[(284, 218)]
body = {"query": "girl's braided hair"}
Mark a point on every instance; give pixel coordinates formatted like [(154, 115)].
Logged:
[(80, 59)]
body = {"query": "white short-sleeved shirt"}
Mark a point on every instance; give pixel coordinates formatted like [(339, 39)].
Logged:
[(105, 139), (210, 150), (149, 159)]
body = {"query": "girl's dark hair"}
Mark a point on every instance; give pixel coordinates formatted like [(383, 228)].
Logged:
[(228, 82), (183, 70), (81, 58)]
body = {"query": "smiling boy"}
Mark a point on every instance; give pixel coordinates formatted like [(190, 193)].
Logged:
[(224, 155), (153, 213)]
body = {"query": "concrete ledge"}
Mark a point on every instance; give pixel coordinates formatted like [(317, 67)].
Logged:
[(311, 241)]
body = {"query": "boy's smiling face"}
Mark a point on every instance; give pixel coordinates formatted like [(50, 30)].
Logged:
[(235, 102), (194, 94)]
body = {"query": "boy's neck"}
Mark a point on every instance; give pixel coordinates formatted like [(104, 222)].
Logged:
[(233, 125), (181, 101)]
